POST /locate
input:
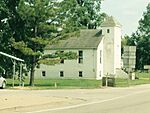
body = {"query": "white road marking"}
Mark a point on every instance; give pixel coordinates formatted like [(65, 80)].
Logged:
[(86, 104)]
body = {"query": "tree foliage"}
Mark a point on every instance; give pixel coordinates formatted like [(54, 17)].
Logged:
[(85, 13), (141, 39), (7, 12), (40, 26), (27, 26)]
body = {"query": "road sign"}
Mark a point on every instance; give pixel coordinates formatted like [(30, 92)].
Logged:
[(129, 57)]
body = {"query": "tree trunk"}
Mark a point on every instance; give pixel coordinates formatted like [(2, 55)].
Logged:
[(34, 58), (32, 73), (32, 77)]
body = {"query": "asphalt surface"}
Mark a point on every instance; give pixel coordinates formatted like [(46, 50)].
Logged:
[(107, 100), (136, 103)]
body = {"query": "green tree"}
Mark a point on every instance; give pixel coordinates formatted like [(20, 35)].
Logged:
[(36, 29), (29, 25), (141, 39), (85, 13), (40, 21), (91, 15), (6, 17)]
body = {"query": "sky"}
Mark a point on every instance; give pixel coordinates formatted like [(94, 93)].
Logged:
[(127, 12)]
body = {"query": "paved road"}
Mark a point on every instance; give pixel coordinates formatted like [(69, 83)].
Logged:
[(109, 100), (134, 103)]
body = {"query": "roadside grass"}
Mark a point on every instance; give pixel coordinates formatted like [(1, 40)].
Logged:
[(143, 75), (42, 84), (142, 78), (58, 84), (127, 83)]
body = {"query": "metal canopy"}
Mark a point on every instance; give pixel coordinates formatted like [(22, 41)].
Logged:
[(13, 57)]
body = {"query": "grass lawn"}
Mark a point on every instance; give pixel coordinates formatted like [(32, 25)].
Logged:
[(80, 83), (143, 75), (59, 83), (144, 78), (126, 83)]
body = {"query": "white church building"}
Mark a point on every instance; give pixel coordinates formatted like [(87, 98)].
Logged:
[(99, 53)]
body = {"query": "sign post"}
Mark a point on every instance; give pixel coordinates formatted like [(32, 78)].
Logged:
[(129, 59)]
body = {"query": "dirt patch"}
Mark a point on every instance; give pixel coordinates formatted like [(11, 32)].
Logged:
[(21, 99)]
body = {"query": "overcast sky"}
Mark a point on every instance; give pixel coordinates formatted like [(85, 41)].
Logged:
[(127, 12)]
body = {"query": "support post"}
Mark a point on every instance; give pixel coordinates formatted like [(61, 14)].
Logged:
[(20, 78), (14, 68)]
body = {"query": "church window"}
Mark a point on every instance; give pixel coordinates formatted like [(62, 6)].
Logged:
[(80, 74), (62, 60), (100, 56), (43, 73), (61, 74), (80, 60), (108, 30)]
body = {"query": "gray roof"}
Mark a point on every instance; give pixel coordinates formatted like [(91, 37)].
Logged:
[(110, 22), (86, 40)]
